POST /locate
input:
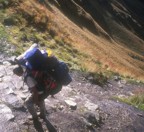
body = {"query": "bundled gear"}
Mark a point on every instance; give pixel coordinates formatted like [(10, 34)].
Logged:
[(46, 69), (32, 59)]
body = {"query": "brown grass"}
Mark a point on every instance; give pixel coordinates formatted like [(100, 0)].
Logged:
[(113, 55)]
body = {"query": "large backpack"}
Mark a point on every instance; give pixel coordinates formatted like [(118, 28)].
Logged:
[(35, 60), (61, 73)]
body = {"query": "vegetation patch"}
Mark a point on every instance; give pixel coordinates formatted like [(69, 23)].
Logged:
[(136, 100), (4, 3), (3, 33), (98, 78)]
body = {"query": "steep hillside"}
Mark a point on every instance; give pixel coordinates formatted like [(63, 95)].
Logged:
[(121, 20), (95, 36)]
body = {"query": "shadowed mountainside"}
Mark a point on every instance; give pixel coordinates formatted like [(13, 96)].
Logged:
[(119, 21), (107, 17)]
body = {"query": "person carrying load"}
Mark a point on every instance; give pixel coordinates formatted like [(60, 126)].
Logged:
[(44, 74)]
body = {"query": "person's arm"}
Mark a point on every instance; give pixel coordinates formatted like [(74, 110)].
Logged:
[(32, 87)]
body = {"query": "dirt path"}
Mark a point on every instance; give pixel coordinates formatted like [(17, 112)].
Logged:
[(79, 107)]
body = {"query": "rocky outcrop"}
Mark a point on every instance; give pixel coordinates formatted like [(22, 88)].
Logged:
[(80, 106)]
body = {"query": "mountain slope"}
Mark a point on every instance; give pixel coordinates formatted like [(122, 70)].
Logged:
[(97, 36)]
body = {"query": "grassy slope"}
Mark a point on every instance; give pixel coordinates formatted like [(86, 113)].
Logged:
[(80, 48)]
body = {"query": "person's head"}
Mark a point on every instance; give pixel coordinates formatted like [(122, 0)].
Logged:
[(18, 71)]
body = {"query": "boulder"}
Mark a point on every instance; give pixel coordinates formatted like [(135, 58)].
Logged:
[(13, 101), (91, 106), (5, 113), (71, 104)]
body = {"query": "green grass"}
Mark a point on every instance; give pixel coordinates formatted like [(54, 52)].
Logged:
[(132, 80), (135, 100), (22, 37), (3, 33), (3, 1), (3, 36)]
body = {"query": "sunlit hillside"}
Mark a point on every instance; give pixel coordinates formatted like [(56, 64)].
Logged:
[(93, 36)]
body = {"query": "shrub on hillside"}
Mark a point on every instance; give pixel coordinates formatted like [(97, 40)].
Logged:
[(98, 78), (4, 3)]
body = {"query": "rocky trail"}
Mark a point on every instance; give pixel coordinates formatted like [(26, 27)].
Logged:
[(79, 107)]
